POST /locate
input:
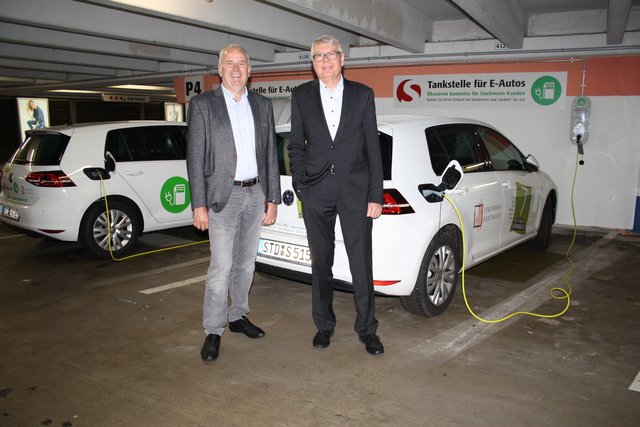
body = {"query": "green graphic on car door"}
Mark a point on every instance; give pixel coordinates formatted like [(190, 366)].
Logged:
[(175, 195), (521, 208)]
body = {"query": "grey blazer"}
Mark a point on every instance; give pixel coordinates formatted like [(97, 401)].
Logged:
[(211, 150)]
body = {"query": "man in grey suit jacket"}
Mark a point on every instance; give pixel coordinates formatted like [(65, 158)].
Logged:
[(232, 165), (336, 166)]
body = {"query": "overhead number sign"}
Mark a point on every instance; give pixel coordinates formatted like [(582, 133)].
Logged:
[(193, 86)]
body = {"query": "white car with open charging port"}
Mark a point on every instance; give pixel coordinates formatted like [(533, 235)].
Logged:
[(54, 184), (503, 197)]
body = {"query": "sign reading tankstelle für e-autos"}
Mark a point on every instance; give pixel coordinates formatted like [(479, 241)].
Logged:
[(503, 90)]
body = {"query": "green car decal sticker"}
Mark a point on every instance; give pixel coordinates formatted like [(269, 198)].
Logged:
[(175, 195), (521, 208)]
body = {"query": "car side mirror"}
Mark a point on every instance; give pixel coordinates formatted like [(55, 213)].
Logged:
[(449, 180), (109, 162), (531, 163)]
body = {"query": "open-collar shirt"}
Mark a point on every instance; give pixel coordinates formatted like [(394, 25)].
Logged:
[(332, 105), (244, 134)]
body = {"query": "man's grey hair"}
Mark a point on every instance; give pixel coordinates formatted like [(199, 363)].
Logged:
[(326, 39), (229, 47)]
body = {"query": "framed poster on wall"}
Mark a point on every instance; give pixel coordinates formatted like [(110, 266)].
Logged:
[(173, 112), (33, 113)]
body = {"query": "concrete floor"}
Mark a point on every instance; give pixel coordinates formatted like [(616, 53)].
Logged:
[(82, 346)]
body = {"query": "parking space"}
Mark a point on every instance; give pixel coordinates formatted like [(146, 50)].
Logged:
[(89, 342)]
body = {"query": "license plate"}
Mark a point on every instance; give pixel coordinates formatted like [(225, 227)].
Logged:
[(10, 213), (285, 251)]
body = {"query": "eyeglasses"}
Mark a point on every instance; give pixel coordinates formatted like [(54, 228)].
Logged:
[(319, 57)]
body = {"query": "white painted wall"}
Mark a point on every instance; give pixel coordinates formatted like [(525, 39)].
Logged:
[(606, 185)]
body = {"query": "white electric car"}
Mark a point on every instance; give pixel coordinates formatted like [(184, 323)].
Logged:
[(503, 198), (55, 183)]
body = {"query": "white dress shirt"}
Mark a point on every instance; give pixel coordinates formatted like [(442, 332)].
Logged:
[(332, 105), (244, 134)]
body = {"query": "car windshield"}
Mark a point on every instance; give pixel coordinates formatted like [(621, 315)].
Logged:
[(41, 149)]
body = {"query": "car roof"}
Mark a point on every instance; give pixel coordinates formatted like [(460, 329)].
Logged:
[(406, 121), (409, 120), (107, 125)]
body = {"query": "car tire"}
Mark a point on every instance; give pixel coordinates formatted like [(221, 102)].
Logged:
[(543, 238), (125, 228), (437, 277)]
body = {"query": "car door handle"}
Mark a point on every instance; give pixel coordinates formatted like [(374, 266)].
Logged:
[(462, 190), (133, 173), (507, 184)]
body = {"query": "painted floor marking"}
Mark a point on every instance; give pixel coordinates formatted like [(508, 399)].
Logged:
[(455, 340), (13, 236), (145, 274), (635, 385), (173, 285)]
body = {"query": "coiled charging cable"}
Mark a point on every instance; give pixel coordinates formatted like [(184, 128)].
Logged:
[(558, 293)]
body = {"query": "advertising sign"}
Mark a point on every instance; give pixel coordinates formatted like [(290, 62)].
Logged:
[(33, 113), (275, 89), (507, 90)]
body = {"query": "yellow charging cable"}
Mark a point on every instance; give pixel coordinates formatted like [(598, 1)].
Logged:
[(556, 292), (106, 205)]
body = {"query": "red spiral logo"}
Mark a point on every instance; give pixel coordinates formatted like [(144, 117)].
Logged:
[(402, 94)]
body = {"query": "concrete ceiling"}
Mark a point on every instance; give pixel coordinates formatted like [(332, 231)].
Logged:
[(96, 44)]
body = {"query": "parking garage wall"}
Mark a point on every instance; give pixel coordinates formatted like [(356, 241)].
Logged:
[(606, 186), (70, 111)]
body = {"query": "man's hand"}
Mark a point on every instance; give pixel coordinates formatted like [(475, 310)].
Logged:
[(201, 218), (374, 210), (271, 214)]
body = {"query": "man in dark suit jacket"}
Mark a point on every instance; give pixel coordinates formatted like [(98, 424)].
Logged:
[(337, 170), (232, 164)]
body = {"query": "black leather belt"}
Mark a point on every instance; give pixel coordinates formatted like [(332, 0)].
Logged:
[(246, 182)]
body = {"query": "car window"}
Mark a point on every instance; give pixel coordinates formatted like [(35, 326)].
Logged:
[(504, 155), (41, 149), (144, 144), (283, 153), (180, 135), (386, 145), (454, 142)]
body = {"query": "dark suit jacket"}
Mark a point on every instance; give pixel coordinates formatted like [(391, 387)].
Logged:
[(211, 150), (354, 153)]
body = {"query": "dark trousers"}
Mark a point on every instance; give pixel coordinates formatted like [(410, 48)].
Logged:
[(320, 206)]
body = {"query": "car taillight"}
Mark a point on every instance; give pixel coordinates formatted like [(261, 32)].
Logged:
[(49, 179), (385, 282), (395, 203)]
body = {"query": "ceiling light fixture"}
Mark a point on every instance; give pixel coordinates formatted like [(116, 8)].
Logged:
[(142, 87), (73, 91)]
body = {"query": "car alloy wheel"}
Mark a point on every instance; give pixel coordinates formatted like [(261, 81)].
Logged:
[(122, 235), (437, 277)]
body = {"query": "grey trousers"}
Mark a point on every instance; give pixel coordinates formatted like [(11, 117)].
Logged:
[(233, 234)]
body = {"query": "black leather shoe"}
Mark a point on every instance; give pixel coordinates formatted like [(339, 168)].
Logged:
[(210, 348), (372, 344), (249, 329), (322, 339)]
